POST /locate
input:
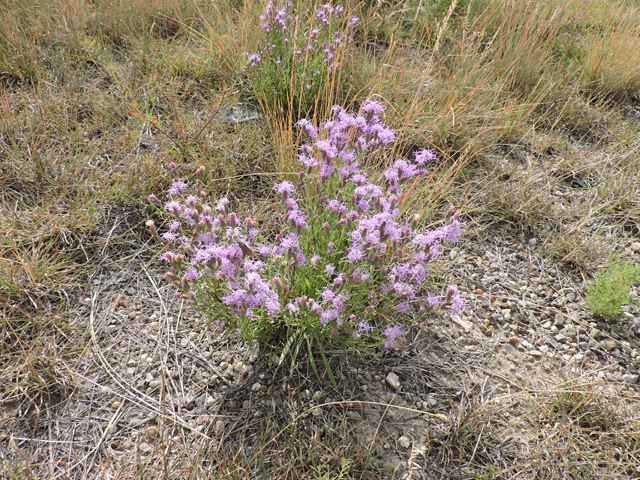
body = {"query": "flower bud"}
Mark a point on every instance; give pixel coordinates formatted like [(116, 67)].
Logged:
[(154, 199)]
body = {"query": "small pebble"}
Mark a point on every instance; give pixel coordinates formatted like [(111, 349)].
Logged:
[(608, 345), (393, 381), (404, 441)]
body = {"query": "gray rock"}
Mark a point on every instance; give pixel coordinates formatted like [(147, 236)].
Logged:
[(431, 400), (238, 113), (611, 377), (256, 387), (558, 321), (608, 345), (393, 381), (219, 426), (146, 449), (630, 378), (354, 415), (404, 441)]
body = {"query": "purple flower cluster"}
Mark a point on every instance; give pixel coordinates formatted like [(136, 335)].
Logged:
[(342, 259)]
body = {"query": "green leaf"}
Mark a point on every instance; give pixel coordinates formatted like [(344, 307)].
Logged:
[(329, 372), (295, 356), (287, 348), (311, 359)]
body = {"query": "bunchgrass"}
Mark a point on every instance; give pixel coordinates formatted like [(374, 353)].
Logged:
[(610, 290)]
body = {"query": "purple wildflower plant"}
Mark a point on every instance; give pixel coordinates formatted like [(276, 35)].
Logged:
[(305, 46), (340, 259)]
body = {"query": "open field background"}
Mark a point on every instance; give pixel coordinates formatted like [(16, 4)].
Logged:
[(534, 111)]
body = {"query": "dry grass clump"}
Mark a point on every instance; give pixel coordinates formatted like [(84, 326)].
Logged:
[(574, 427)]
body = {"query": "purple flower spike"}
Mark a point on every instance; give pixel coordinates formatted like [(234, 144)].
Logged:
[(285, 188), (308, 128), (424, 156), (372, 108), (177, 188)]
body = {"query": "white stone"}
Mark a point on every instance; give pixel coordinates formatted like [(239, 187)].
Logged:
[(393, 381), (404, 441)]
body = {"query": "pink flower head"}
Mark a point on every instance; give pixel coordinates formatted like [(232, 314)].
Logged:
[(308, 128), (285, 188), (424, 156)]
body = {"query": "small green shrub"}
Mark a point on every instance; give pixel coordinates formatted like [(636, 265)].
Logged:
[(610, 290)]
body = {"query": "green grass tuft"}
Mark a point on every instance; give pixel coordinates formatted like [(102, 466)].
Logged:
[(610, 291)]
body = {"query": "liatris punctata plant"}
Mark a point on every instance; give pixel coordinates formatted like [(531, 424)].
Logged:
[(343, 266), (299, 56)]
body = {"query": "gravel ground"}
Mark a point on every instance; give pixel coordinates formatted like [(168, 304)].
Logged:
[(154, 373)]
